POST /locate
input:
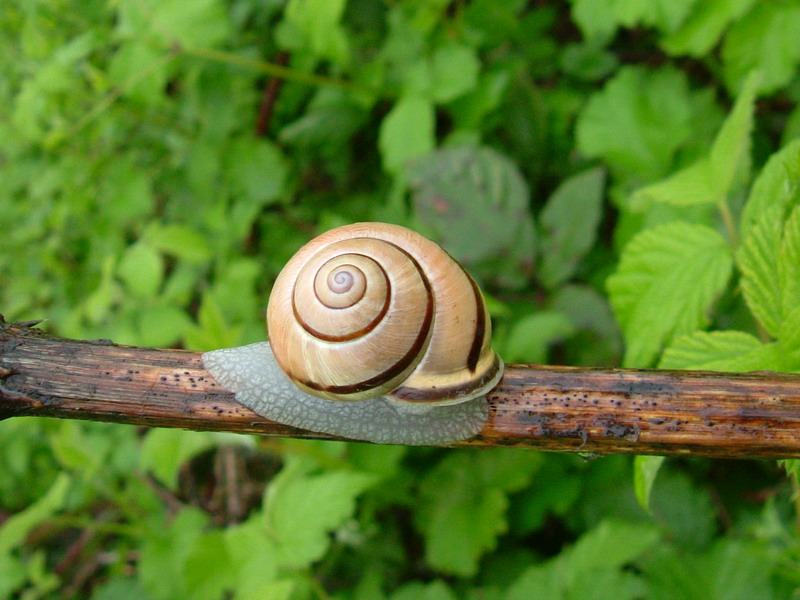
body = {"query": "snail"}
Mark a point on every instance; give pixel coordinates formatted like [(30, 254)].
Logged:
[(376, 334)]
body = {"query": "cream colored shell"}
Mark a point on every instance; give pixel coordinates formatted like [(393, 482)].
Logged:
[(372, 309)]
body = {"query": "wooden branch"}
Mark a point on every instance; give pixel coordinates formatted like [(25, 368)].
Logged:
[(569, 409)]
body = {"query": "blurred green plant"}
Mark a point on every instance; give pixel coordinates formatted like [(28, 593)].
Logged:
[(154, 178)]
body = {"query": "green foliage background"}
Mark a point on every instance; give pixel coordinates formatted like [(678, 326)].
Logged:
[(621, 177)]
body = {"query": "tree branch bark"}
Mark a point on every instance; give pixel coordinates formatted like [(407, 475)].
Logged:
[(568, 409)]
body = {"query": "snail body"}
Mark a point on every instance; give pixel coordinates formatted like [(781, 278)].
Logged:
[(375, 333)]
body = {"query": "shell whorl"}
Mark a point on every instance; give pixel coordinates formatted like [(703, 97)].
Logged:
[(372, 309)]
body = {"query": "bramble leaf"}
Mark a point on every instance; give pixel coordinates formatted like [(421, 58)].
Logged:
[(645, 469), (600, 18), (530, 337), (765, 39), (464, 502), (300, 510), (476, 202), (637, 121), (455, 70), (407, 132), (719, 351), (161, 566), (435, 590), (142, 270), (208, 569), (778, 184), (569, 223), (665, 284), (769, 259), (704, 26), (592, 568), (611, 544), (165, 450), (17, 527), (710, 179), (314, 26), (731, 570)]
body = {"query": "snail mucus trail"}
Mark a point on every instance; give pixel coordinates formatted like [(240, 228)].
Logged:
[(375, 334)]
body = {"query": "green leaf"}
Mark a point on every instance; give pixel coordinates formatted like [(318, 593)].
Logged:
[(384, 461), (531, 336), (730, 152), (139, 71), (600, 18), (592, 568), (476, 202), (597, 340), (180, 241), (142, 270), (332, 117), (407, 132), (532, 506), (684, 509), (588, 61), (78, 449), (435, 590), (791, 466), (778, 185), (17, 527), (637, 121), (601, 584), (469, 110), (98, 302), (732, 570), (126, 192), (769, 256), (165, 450), (257, 172), (14, 531), (704, 27), (120, 587), (202, 23), (301, 510), (709, 180), (645, 469), (769, 259), (214, 330), (164, 551), (208, 570), (789, 264), (689, 186), (569, 223), (667, 279), (455, 70), (789, 335), (464, 502), (719, 351), (283, 589), (255, 557), (161, 326), (314, 25), (539, 581), (612, 544), (765, 39)]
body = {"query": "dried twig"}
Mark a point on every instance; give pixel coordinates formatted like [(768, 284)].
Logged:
[(550, 408)]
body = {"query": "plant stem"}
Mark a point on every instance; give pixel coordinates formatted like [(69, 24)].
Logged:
[(114, 94), (727, 219), (572, 409), (272, 69)]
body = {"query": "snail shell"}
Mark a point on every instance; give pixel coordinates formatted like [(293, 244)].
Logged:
[(372, 309), (377, 314)]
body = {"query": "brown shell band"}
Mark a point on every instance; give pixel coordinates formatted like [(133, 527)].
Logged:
[(413, 395)]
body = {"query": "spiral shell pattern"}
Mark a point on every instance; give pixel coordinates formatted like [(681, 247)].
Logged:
[(377, 310)]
